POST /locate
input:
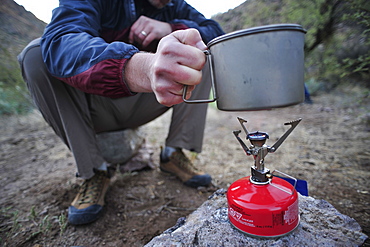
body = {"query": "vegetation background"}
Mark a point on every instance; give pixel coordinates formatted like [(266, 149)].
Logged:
[(337, 40), (17, 28)]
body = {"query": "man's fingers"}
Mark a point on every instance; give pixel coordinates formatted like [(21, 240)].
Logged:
[(170, 99), (145, 30), (181, 54), (169, 94), (188, 76), (191, 37), (178, 62)]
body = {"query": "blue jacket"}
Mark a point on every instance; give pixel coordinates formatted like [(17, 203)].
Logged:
[(86, 42)]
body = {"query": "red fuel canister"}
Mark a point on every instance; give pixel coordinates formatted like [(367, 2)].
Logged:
[(263, 210)]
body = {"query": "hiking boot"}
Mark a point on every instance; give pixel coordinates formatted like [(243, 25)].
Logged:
[(175, 162), (88, 204)]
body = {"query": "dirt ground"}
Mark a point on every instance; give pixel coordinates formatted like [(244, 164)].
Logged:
[(329, 149)]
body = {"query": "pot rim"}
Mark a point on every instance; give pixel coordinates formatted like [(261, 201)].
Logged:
[(254, 30)]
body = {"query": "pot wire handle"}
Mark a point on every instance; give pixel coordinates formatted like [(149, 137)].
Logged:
[(197, 101), (285, 175)]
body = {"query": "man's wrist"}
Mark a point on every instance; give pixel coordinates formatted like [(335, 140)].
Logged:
[(136, 72)]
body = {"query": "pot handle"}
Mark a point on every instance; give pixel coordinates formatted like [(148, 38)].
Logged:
[(196, 101)]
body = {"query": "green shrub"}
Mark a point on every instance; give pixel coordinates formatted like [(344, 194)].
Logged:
[(14, 100)]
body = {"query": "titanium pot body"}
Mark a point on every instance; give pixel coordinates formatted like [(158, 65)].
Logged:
[(257, 68)]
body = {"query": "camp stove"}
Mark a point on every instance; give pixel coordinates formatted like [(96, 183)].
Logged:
[(263, 204)]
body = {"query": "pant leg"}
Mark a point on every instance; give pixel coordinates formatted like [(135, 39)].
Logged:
[(124, 113), (64, 108), (188, 120), (187, 123)]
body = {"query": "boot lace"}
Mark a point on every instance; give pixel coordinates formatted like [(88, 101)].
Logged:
[(91, 188), (183, 161)]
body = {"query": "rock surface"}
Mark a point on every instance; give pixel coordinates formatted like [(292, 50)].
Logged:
[(320, 225), (118, 147)]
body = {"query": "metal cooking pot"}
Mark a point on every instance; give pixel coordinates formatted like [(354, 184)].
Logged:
[(256, 68)]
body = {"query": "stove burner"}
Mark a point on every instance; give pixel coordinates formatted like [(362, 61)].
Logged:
[(257, 136)]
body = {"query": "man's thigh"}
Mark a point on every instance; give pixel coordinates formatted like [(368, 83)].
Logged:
[(128, 112)]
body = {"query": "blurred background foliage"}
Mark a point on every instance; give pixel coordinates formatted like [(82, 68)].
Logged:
[(337, 40), (14, 98), (336, 47), (17, 28)]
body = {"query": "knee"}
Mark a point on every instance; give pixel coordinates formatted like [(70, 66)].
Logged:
[(31, 63)]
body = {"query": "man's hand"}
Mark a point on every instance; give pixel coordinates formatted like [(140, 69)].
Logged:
[(145, 30), (178, 61)]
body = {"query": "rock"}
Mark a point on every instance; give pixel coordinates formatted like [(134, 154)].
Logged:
[(118, 147), (142, 160), (320, 225)]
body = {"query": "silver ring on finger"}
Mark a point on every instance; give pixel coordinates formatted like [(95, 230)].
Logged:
[(144, 33)]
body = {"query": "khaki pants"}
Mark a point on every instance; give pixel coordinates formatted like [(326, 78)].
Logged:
[(76, 116)]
